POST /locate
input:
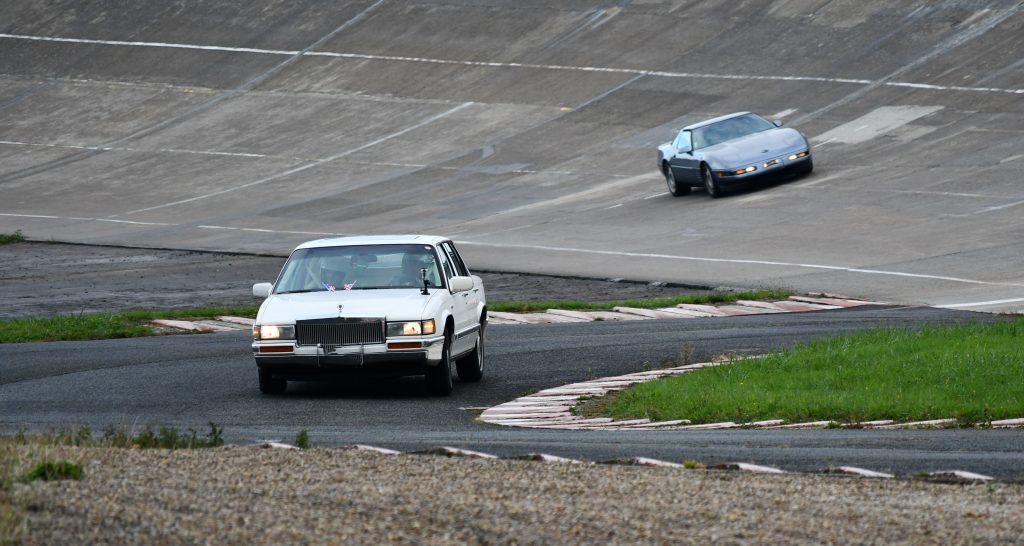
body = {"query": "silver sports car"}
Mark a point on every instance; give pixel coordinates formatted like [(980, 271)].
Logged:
[(727, 150)]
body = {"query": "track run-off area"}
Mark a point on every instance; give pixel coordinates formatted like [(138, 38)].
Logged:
[(527, 132)]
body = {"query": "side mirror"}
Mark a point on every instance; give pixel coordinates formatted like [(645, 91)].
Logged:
[(685, 149), (777, 123), (460, 284), (262, 289)]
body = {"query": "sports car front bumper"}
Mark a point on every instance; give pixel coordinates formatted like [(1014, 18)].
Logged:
[(774, 167)]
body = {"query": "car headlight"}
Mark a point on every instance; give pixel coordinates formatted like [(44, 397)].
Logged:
[(746, 170), (273, 331), (798, 155), (411, 328)]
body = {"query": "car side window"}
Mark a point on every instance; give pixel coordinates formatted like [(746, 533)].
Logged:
[(457, 263), (445, 264)]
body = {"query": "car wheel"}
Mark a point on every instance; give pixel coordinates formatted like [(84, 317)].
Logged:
[(439, 377), (675, 188), (270, 384), (471, 366), (710, 182)]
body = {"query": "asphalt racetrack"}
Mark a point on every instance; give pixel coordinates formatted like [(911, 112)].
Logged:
[(186, 381), (525, 130)]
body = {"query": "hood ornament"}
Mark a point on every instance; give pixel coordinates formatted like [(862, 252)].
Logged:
[(340, 308)]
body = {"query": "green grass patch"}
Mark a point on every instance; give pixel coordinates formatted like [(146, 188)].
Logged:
[(8, 238), (970, 372), (149, 437), (167, 438), (135, 323), (52, 471), (652, 303), (104, 325)]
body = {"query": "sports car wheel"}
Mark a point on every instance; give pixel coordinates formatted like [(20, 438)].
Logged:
[(270, 384), (675, 188), (439, 377), (710, 182), (471, 366)]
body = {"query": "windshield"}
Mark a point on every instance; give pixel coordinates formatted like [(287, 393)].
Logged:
[(360, 267), (728, 129)]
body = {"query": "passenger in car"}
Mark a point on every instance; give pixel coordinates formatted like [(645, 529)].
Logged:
[(332, 277)]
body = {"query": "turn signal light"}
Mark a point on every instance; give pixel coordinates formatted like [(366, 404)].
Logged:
[(277, 349), (405, 345)]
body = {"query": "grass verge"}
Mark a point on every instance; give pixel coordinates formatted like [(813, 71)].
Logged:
[(45, 460), (134, 323), (103, 325), (969, 372), (652, 303), (8, 238)]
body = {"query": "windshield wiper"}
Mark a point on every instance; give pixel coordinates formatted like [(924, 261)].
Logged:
[(302, 291)]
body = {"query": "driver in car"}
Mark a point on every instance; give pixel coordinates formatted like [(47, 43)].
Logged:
[(411, 275)]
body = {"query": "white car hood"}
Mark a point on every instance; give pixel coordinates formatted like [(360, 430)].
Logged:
[(391, 304)]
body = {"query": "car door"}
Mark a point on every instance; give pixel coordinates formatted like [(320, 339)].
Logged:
[(465, 303), (685, 167)]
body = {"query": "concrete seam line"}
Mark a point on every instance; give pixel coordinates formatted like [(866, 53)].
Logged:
[(220, 97), (308, 165), (952, 42)]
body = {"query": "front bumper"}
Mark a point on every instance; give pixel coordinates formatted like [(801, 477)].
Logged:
[(769, 168), (290, 360)]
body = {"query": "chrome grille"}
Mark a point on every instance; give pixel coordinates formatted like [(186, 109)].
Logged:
[(331, 333)]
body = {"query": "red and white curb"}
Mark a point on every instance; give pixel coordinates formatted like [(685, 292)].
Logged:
[(795, 304), (944, 476), (217, 324), (552, 409)]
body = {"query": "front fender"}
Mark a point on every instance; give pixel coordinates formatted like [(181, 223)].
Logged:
[(664, 153)]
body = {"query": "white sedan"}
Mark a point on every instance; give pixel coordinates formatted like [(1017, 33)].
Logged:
[(388, 305)]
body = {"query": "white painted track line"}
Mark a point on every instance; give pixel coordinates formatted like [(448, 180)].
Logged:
[(744, 261), (513, 65)]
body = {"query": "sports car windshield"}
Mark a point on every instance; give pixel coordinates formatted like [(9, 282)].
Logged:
[(728, 129), (360, 267)]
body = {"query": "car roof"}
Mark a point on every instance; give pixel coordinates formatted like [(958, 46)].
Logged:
[(714, 120), (373, 240)]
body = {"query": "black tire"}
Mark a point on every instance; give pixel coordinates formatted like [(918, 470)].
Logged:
[(439, 377), (471, 366), (675, 188), (710, 182), (270, 384)]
